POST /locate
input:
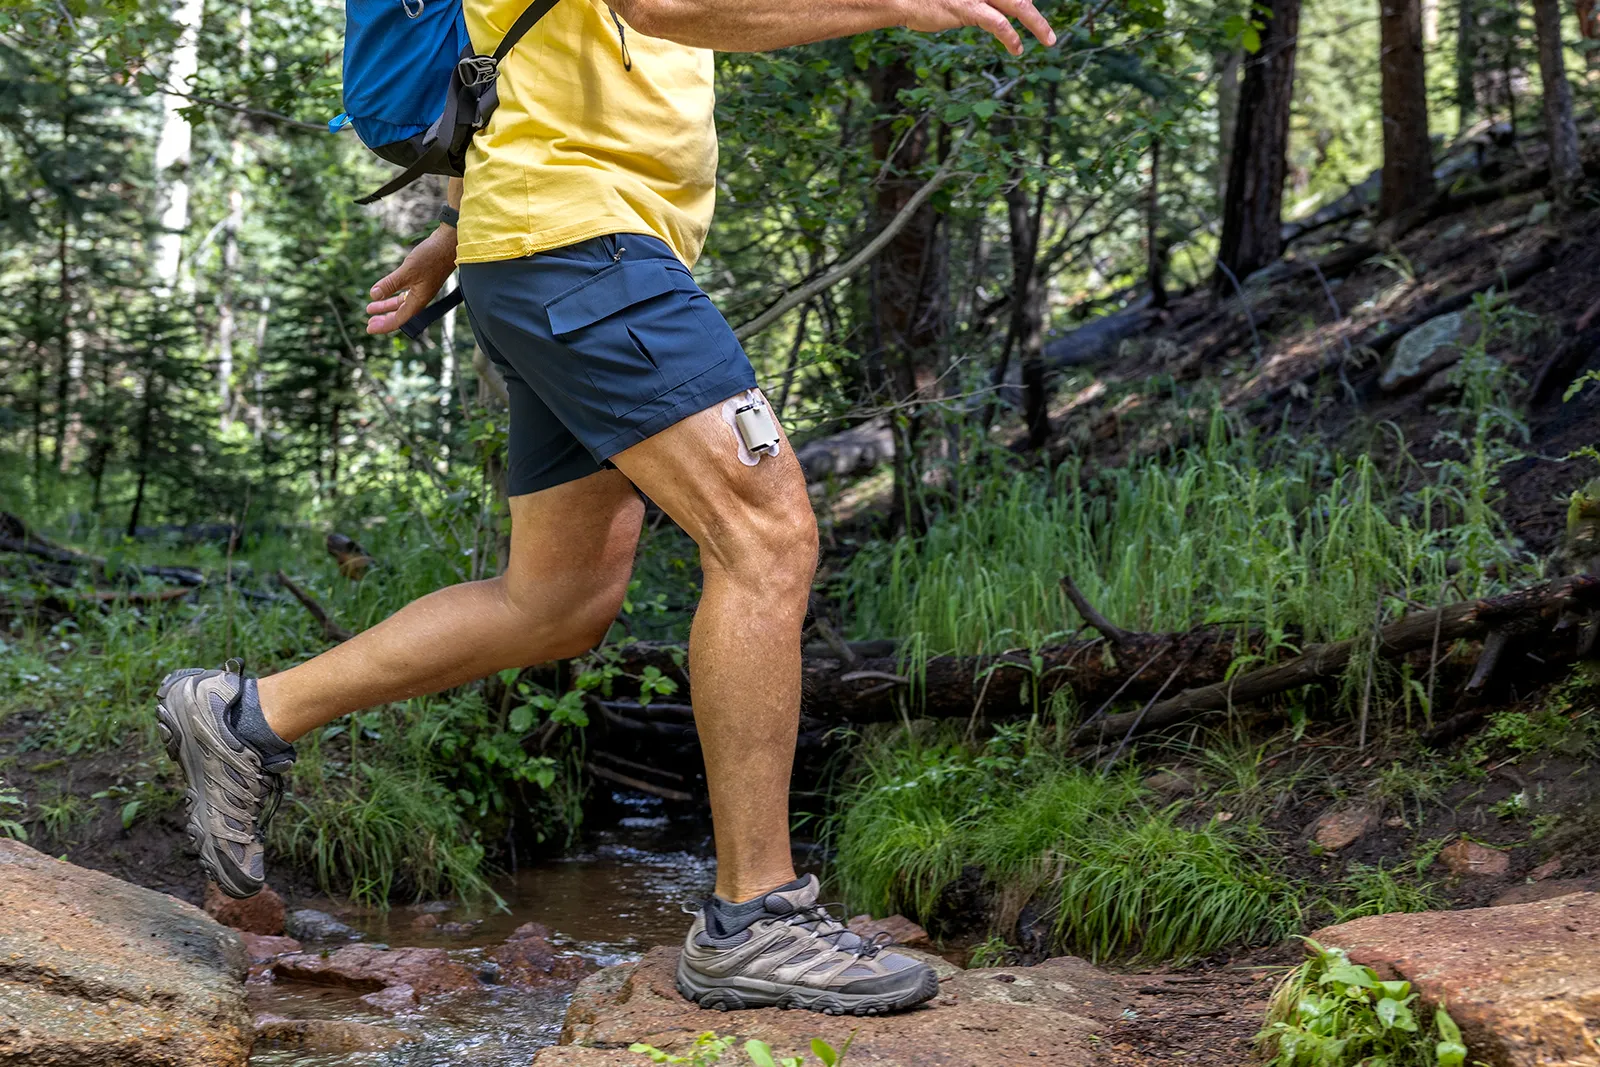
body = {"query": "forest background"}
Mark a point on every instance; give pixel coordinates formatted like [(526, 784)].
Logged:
[(911, 231)]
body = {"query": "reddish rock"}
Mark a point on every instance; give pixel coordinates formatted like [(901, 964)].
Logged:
[(1467, 857), (528, 958), (369, 969), (1340, 827), (260, 948), (327, 1035), (95, 972), (526, 930), (1548, 869), (260, 914), (394, 1000), (901, 930), (1522, 981), (425, 921), (1049, 1014)]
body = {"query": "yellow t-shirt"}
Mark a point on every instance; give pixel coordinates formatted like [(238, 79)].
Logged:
[(580, 144)]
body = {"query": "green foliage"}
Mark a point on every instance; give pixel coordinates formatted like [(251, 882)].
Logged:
[(709, 1048), (61, 816), (1515, 734), (1330, 1012), (1377, 890), (12, 810), (1122, 876), (1284, 538)]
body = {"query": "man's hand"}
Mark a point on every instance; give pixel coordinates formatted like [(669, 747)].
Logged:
[(932, 16), (408, 290), (762, 25)]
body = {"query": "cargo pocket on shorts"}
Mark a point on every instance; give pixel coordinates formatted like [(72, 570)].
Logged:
[(636, 330)]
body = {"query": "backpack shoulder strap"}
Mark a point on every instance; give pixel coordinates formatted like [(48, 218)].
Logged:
[(530, 15)]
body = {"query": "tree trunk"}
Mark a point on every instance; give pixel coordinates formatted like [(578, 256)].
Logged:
[(1407, 154), (1566, 169), (226, 324), (1228, 64), (1466, 63), (173, 147), (1252, 214), (1155, 250), (1027, 318), (906, 280)]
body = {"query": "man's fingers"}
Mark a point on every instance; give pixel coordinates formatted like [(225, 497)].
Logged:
[(382, 307), (989, 17), (396, 311), (1034, 22), (392, 282)]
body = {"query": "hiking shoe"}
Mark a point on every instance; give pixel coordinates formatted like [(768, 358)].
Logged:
[(785, 950), (234, 785)]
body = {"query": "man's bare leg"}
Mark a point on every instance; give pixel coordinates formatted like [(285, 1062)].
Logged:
[(571, 556), (758, 548)]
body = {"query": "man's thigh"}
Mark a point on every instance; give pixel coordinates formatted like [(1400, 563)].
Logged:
[(693, 472), (573, 538)]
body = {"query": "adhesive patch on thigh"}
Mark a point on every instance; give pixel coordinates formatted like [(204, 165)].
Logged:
[(730, 416)]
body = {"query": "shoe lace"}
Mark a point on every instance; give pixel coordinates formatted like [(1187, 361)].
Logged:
[(272, 800), (820, 920)]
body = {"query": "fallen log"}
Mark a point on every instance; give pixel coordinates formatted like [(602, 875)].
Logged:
[(1521, 611), (1008, 684), (67, 557), (57, 606)]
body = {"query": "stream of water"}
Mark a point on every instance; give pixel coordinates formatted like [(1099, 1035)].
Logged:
[(617, 897)]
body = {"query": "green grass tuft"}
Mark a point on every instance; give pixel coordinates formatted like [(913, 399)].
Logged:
[(1122, 875)]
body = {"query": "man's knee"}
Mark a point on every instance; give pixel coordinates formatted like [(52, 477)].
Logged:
[(566, 618), (770, 541)]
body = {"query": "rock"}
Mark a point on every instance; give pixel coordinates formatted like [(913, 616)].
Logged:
[(1522, 981), (95, 972), (395, 1000), (327, 1035), (901, 930), (308, 924), (1428, 349), (1342, 826), (527, 930), (260, 914), (1548, 869), (1439, 387), (459, 929), (433, 907), (1050, 1013), (528, 958), (1170, 782), (425, 921), (261, 949), (368, 968), (1466, 857), (1531, 892)]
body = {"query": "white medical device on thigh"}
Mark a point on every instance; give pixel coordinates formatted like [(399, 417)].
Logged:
[(751, 419)]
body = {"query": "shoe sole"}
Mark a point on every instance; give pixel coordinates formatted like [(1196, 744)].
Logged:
[(183, 750), (736, 994)]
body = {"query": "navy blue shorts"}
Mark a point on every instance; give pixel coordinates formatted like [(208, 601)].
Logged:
[(603, 344)]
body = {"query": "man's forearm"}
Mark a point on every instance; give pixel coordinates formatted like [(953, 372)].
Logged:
[(758, 25), (452, 192)]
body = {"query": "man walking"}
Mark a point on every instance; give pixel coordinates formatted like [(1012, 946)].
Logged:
[(586, 200)]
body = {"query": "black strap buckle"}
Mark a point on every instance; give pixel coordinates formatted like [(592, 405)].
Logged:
[(477, 70)]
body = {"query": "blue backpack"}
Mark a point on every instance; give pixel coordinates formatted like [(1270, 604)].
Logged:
[(414, 89)]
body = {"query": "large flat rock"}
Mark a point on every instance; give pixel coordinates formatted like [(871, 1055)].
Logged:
[(1523, 980), (95, 972), (981, 1018)]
